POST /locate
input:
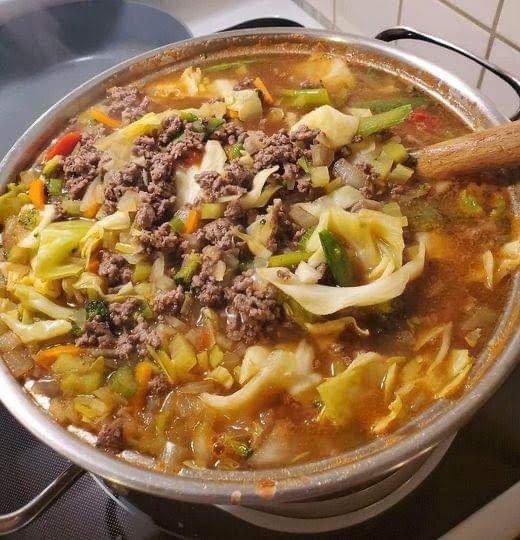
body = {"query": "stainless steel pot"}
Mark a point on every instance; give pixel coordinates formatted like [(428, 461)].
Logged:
[(353, 469)]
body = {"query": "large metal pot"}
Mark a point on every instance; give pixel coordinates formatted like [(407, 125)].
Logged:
[(326, 477)]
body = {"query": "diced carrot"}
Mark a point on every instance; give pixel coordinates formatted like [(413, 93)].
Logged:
[(142, 373), (46, 357), (192, 221), (92, 210), (205, 339), (232, 114), (64, 145), (109, 121), (263, 88), (192, 159), (37, 193), (93, 263)]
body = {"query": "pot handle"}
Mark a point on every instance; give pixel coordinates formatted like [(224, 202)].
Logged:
[(18, 519), (404, 32)]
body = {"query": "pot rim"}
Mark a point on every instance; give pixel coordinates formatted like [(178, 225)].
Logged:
[(313, 479)]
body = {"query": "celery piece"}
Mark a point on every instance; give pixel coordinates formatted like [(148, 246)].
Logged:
[(469, 204), (211, 210), (188, 269), (68, 363), (212, 124), (225, 66), (306, 97), (396, 151), (177, 223), (162, 359), (198, 126), (400, 174), (334, 185), (392, 209), (338, 259), (234, 151), (216, 356), (141, 272), (382, 165), (122, 382), (305, 165), (51, 166), (188, 116), (91, 408), (383, 105), (70, 207), (302, 244), (384, 120), (320, 176), (55, 186), (292, 258), (74, 384), (241, 449), (147, 311)]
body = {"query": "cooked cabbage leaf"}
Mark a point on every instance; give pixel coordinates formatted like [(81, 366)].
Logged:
[(254, 199), (38, 331), (324, 300)]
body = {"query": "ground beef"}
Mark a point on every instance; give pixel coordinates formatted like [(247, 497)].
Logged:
[(305, 135), (161, 169), (114, 269), (80, 169), (110, 436), (215, 185), (218, 233), (58, 210), (153, 211), (229, 133), (127, 103), (128, 178), (159, 386), (162, 238), (207, 290), (135, 341), (253, 311), (145, 146), (278, 149), (287, 233), (172, 126), (122, 314), (244, 83), (169, 302), (96, 334), (238, 174), (183, 146), (234, 211)]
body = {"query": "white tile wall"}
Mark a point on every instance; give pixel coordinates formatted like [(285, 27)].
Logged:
[(509, 23), (489, 28), (483, 10), (366, 17), (496, 89)]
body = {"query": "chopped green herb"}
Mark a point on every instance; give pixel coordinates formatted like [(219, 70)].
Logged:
[(97, 308), (242, 449)]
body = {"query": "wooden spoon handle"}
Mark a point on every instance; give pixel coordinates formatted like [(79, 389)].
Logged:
[(482, 150)]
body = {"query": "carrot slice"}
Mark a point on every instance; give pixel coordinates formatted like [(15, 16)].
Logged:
[(93, 263), (142, 373), (46, 357), (92, 210), (263, 88), (232, 114), (37, 193), (103, 118), (64, 145), (192, 221)]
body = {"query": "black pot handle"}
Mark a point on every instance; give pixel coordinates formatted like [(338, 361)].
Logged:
[(14, 521), (404, 32)]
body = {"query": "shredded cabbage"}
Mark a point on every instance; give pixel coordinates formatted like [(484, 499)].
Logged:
[(254, 198), (35, 301), (46, 216), (38, 331), (245, 103), (339, 128), (324, 300), (344, 197), (117, 221)]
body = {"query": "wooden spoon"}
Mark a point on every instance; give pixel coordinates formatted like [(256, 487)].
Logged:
[(490, 149)]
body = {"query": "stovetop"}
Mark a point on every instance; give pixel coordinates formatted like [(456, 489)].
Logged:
[(483, 461)]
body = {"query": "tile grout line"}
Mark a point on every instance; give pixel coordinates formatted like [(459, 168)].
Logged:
[(481, 25), (492, 37), (400, 12)]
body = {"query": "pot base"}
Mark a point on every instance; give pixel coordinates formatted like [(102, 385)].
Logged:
[(311, 517)]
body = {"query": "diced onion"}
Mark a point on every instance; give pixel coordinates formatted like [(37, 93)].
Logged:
[(19, 361), (129, 202), (350, 174)]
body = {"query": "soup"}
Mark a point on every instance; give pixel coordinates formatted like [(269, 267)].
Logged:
[(234, 266)]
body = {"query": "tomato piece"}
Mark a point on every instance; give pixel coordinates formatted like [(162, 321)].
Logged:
[(424, 119), (192, 158), (64, 145)]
